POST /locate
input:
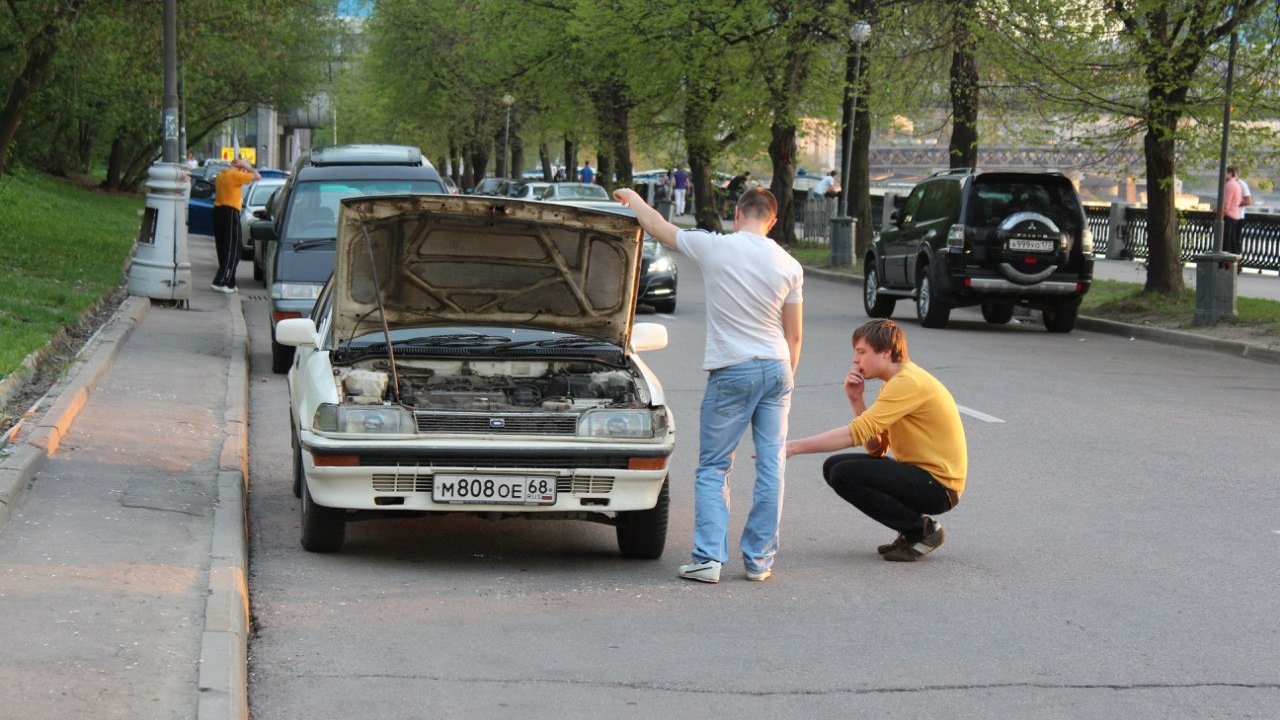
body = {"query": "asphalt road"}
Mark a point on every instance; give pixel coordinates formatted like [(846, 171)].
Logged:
[(1116, 556)]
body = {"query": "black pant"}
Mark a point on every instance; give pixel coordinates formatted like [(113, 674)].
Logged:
[(1231, 238), (226, 240), (892, 493)]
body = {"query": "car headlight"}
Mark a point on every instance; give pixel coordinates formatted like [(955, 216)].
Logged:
[(365, 419), (624, 424), (663, 264), (295, 291)]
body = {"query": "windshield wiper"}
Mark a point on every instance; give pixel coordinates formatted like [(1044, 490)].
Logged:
[(576, 341), (315, 242), (454, 340)]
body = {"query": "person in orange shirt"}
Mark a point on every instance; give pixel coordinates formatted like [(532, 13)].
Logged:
[(916, 416), (227, 202)]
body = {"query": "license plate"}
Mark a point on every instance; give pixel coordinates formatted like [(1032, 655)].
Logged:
[(1031, 245), (494, 490)]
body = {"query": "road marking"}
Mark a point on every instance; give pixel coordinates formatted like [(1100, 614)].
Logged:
[(978, 415)]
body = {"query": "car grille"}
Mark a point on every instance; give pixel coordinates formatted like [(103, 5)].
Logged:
[(481, 462), (413, 483), (498, 424)]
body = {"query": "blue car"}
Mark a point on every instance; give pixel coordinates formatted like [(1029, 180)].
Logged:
[(200, 203)]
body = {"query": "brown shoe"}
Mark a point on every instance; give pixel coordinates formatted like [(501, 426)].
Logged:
[(890, 546), (914, 552)]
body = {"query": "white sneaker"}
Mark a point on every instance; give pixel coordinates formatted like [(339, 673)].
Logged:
[(707, 572), (761, 576)]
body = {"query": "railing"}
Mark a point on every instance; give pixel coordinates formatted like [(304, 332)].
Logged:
[(1259, 234), (815, 216)]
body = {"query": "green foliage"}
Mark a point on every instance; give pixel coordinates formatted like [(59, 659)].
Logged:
[(63, 249)]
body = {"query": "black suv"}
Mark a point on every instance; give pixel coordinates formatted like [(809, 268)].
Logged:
[(304, 220), (995, 239)]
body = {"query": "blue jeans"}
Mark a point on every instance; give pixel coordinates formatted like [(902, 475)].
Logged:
[(755, 392)]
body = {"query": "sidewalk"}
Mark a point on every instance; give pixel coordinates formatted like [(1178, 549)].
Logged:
[(122, 522)]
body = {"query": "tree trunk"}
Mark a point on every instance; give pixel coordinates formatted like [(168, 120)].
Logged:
[(702, 145), (570, 160), (21, 93), (479, 161), (501, 143), (1164, 246), (963, 149), (544, 159), (782, 154)]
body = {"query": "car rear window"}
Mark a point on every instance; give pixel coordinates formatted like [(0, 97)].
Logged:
[(993, 200)]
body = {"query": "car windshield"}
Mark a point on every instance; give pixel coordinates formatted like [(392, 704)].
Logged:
[(471, 340), (261, 192), (995, 200), (314, 212)]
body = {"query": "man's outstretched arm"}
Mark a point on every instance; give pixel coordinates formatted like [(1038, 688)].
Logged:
[(651, 220)]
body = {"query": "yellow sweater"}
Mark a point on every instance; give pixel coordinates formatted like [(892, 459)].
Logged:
[(923, 424), (227, 187)]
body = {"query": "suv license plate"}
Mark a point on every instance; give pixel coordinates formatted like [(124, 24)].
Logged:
[(494, 490), (1031, 245)]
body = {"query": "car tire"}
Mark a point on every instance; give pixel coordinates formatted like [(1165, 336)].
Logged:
[(281, 357), (642, 534), (875, 304), (299, 475), (997, 313), (932, 311), (665, 306), (324, 529), (1061, 318)]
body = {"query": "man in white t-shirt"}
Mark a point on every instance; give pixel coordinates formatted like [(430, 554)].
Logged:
[(829, 185), (754, 329)]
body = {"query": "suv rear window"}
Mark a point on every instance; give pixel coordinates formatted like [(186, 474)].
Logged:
[(994, 199), (314, 207)]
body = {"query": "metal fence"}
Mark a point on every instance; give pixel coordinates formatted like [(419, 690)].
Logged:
[(1260, 235)]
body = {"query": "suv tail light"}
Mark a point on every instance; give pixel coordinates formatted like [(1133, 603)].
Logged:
[(955, 236)]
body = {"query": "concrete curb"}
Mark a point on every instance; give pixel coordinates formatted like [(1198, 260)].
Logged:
[(26, 459), (1111, 327), (224, 645)]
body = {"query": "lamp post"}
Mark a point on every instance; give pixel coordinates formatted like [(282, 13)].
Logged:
[(842, 224), (507, 100), (1216, 270)]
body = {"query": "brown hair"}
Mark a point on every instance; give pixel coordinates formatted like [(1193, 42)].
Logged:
[(759, 204), (881, 335)]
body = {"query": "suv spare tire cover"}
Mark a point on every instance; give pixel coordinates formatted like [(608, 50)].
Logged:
[(1029, 226)]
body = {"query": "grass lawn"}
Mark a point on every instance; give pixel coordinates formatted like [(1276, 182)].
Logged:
[(62, 248)]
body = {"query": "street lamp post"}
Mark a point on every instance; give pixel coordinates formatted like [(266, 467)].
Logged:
[(507, 100), (1216, 270), (842, 223)]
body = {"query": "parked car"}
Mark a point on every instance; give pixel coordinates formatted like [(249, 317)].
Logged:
[(489, 186), (576, 191), (303, 220), (995, 239), (658, 273), (525, 190), (254, 197), (477, 355)]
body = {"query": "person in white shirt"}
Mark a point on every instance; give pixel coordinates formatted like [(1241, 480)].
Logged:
[(754, 328), (829, 185)]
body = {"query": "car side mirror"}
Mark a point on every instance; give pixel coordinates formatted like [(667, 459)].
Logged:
[(296, 332), (262, 229), (648, 336), (262, 214)]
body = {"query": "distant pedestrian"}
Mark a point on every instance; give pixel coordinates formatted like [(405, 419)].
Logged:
[(192, 162), (754, 329), (681, 189), (916, 417), (587, 174), (827, 186), (733, 191), (227, 202), (1232, 211), (559, 176)]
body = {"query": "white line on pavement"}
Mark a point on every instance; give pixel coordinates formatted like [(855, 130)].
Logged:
[(980, 416)]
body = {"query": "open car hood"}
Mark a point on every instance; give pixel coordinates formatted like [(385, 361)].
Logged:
[(451, 260)]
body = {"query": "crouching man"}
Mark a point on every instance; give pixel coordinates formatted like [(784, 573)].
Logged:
[(916, 417)]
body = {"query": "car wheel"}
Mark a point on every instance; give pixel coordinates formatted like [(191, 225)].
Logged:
[(876, 305), (931, 310), (299, 476), (324, 529), (642, 534), (666, 306), (997, 313), (281, 357), (1061, 318)]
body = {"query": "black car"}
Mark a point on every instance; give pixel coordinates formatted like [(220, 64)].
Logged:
[(304, 220), (657, 277), (994, 239)]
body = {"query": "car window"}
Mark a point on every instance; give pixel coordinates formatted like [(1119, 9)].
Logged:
[(913, 203), (313, 210), (995, 200), (261, 192)]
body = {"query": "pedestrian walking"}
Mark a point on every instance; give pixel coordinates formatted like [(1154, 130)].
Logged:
[(587, 174), (754, 328), (916, 417), (227, 202), (680, 189)]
